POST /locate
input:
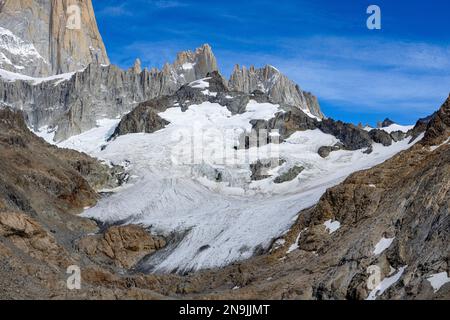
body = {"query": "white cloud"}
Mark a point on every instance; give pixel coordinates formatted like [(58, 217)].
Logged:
[(115, 11), (362, 75), (165, 4)]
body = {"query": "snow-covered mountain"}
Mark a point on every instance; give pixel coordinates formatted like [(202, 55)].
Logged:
[(181, 170), (61, 77), (195, 181)]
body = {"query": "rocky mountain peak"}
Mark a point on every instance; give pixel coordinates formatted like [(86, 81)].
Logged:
[(272, 82), (137, 67), (47, 37), (195, 65), (386, 123)]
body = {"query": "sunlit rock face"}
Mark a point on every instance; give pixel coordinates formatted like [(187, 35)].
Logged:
[(47, 37)]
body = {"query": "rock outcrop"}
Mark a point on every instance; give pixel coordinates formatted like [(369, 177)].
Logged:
[(381, 136), (438, 129), (36, 176), (124, 246), (190, 66), (289, 175), (386, 123), (276, 85), (48, 37), (54, 37)]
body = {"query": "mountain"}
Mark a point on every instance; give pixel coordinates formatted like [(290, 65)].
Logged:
[(71, 103), (62, 79), (393, 216), (190, 66), (42, 190), (263, 186), (272, 82), (37, 38), (206, 187)]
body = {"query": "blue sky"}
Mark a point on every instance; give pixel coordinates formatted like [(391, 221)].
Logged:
[(401, 71)]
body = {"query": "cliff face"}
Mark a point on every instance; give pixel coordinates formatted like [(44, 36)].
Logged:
[(56, 37), (46, 37), (191, 66), (72, 103), (272, 82)]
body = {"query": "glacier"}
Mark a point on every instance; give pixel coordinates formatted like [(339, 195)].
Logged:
[(214, 223)]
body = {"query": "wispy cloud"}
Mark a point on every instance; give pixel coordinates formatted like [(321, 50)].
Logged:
[(116, 11), (166, 4), (390, 77), (361, 75), (132, 9)]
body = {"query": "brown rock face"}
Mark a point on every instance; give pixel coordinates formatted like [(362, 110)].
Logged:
[(63, 32), (36, 176), (439, 127), (28, 236), (123, 245)]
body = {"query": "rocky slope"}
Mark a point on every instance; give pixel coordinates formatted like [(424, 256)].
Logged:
[(406, 199), (42, 189), (37, 37)]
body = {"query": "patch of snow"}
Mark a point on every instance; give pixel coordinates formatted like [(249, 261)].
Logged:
[(11, 77), (279, 243), (392, 128), (200, 84), (209, 93), (396, 127), (309, 114), (92, 140), (332, 226), (438, 280), (432, 148), (386, 284), (4, 59), (382, 245), (294, 246), (187, 66)]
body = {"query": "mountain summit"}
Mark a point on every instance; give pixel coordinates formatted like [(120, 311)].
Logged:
[(272, 82), (48, 37)]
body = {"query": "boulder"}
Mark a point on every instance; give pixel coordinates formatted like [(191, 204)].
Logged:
[(123, 246), (381, 136)]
